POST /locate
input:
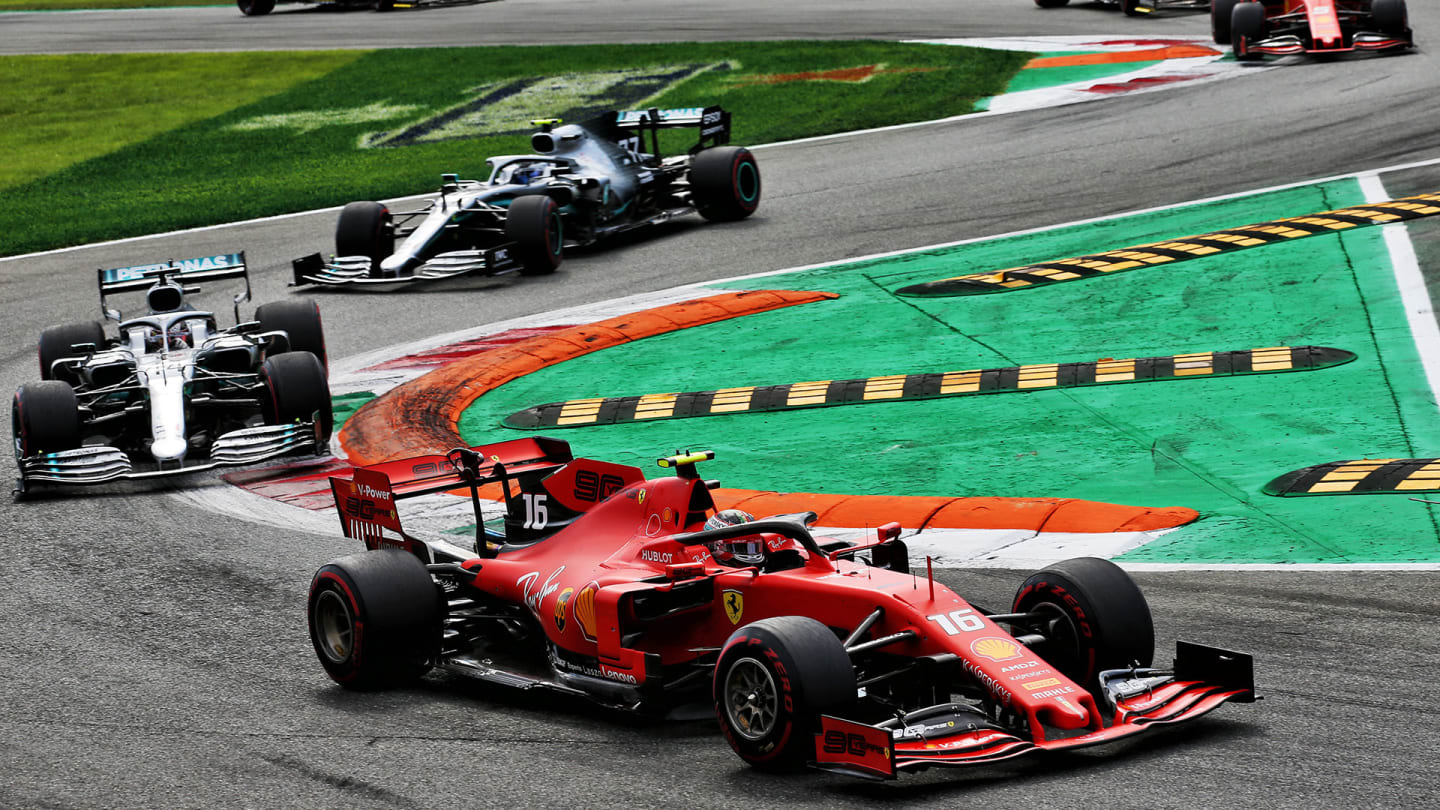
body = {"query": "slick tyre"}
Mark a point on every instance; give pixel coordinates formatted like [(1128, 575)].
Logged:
[(1051, 3), (297, 391), (45, 418), (1390, 17), (774, 679), (1093, 618), (1220, 11), (1131, 8), (255, 8), (375, 619), (1247, 27), (533, 223), (725, 183), (56, 342), (365, 229), (299, 319)]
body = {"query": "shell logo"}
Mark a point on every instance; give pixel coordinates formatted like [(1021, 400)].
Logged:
[(585, 610), (561, 603), (995, 649)]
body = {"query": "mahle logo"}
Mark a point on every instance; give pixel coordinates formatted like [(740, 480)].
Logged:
[(508, 107)]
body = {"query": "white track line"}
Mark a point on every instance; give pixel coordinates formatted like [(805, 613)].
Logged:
[(1419, 310)]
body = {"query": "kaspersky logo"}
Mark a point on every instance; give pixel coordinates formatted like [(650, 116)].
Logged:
[(508, 107)]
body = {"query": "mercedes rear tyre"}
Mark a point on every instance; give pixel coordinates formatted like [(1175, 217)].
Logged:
[(57, 342), (533, 223), (774, 679), (297, 391), (365, 229), (1092, 616), (1390, 17), (725, 183), (375, 619), (1247, 27), (299, 319), (1051, 3), (1220, 20), (45, 418), (255, 8)]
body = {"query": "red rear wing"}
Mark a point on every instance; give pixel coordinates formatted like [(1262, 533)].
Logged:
[(421, 475)]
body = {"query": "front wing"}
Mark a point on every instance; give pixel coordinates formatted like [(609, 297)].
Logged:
[(1203, 678), (356, 270), (96, 465)]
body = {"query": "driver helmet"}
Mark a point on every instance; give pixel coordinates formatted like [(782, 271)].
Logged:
[(524, 176), (747, 550)]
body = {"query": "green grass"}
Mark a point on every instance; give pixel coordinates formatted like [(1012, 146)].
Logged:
[(218, 167), (83, 106)]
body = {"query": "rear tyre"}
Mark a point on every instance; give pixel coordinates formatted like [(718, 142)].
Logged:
[(774, 679), (375, 619), (1051, 3), (45, 418), (55, 343), (1247, 26), (299, 319), (297, 391), (255, 8), (365, 229), (1220, 20), (1390, 17), (1096, 618), (725, 183), (1131, 8), (533, 224)]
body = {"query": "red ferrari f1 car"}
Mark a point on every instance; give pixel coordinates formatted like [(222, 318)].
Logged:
[(1255, 28), (816, 652)]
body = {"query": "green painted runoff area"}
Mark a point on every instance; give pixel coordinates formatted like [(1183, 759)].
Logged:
[(1206, 444)]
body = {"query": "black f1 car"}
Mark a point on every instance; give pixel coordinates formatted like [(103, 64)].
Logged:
[(586, 182), (172, 392), (1279, 27), (635, 594)]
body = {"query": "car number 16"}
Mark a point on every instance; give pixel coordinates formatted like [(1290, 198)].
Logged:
[(958, 621)]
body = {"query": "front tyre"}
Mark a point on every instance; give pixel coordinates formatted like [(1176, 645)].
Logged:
[(1051, 3), (1131, 8), (255, 8), (725, 183), (533, 224), (44, 418), (774, 679), (1092, 615), (375, 619), (1247, 27), (1390, 17), (297, 391), (365, 229)]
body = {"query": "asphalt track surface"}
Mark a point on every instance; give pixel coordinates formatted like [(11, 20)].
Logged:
[(155, 655)]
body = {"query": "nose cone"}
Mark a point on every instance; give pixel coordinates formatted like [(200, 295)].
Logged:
[(1062, 713), (171, 448)]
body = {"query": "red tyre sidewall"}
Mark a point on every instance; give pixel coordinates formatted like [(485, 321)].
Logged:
[(773, 748), (350, 669), (741, 159)]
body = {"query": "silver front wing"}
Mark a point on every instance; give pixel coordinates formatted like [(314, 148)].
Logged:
[(355, 270), (95, 465)]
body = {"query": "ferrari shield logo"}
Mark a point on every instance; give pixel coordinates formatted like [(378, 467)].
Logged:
[(734, 605)]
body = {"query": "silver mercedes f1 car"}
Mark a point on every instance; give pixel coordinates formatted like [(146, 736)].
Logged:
[(172, 392), (586, 182)]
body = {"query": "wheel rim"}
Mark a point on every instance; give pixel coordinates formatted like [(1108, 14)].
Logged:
[(557, 235), (751, 700), (336, 626), (747, 181), (1060, 632)]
